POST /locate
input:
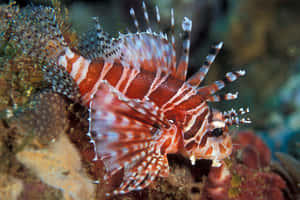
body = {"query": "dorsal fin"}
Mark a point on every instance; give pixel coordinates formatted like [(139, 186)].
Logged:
[(96, 43), (208, 91), (184, 60), (198, 77), (147, 49)]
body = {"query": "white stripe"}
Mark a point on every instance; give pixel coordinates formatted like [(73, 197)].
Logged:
[(106, 68), (124, 75), (76, 66), (84, 71), (182, 99), (183, 88), (132, 75), (88, 95), (62, 61), (156, 83), (200, 130), (200, 109), (69, 53)]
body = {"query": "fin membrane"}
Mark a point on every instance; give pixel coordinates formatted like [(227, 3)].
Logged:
[(125, 133), (97, 44)]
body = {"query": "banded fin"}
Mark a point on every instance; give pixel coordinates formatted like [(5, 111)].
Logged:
[(207, 91), (154, 50), (184, 60), (221, 97), (198, 77), (127, 133), (232, 117), (147, 49)]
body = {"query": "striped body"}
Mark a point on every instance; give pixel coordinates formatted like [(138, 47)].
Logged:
[(139, 84), (177, 100)]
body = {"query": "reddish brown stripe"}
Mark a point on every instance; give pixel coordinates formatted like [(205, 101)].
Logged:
[(193, 130), (114, 74), (166, 90), (209, 151), (165, 145), (140, 85), (190, 145), (190, 103), (124, 81), (93, 75), (203, 141), (222, 149)]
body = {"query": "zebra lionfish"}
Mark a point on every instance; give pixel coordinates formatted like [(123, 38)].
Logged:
[(141, 104)]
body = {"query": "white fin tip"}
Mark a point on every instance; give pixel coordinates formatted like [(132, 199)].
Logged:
[(186, 24), (220, 45), (242, 72), (131, 11), (193, 159)]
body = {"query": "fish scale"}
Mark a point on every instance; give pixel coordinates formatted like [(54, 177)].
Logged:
[(142, 106)]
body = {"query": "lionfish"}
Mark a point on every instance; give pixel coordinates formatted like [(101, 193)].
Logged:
[(141, 104)]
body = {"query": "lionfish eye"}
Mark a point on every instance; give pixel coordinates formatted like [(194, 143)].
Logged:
[(216, 132)]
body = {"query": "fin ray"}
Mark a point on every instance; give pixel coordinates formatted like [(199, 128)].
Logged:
[(126, 144)]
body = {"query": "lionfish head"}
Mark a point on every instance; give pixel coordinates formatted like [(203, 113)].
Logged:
[(216, 142)]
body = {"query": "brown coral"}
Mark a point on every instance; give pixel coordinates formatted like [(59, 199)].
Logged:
[(247, 175)]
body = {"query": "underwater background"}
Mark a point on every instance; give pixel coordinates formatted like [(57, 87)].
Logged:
[(52, 160)]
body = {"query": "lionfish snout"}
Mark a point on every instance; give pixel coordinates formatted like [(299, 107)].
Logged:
[(215, 143)]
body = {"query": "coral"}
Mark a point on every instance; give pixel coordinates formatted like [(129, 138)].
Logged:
[(45, 116), (10, 187), (252, 151), (289, 168), (60, 166), (292, 165), (247, 175), (36, 189), (19, 78)]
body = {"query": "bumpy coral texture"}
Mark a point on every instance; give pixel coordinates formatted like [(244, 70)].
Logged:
[(247, 175)]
